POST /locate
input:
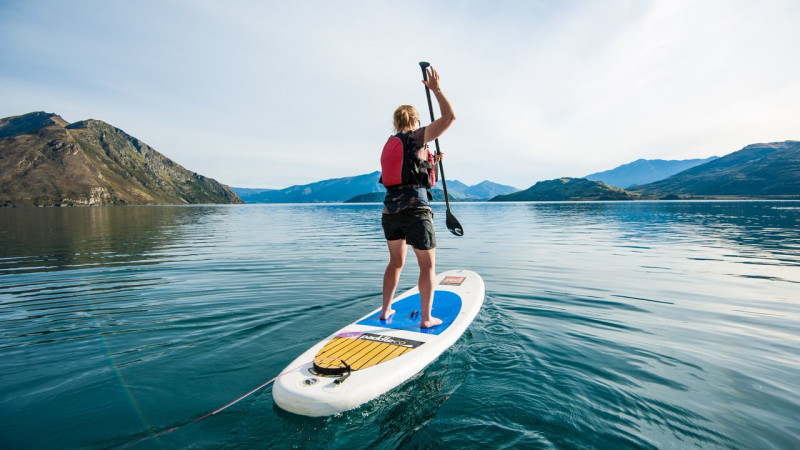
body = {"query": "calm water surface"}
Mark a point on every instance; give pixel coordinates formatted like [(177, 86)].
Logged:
[(606, 325)]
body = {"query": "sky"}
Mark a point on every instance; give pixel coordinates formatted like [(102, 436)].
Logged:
[(268, 94)]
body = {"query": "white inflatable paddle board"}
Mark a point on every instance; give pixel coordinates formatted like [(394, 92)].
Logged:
[(371, 356)]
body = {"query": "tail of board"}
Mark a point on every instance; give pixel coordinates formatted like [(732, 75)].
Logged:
[(371, 356)]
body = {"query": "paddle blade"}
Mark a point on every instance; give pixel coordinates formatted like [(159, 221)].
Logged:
[(453, 225)]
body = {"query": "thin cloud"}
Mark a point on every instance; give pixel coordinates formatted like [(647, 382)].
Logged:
[(273, 94)]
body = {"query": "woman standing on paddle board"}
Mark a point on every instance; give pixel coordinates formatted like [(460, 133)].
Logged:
[(408, 171)]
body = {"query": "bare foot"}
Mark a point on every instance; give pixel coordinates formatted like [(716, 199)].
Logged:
[(387, 314), (430, 323)]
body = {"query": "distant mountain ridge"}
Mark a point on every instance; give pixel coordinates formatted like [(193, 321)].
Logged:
[(378, 197), (482, 191), (568, 189), (757, 170), (363, 188), (246, 193), (488, 189), (643, 171), (330, 190), (45, 161)]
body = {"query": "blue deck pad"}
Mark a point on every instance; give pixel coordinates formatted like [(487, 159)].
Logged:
[(446, 306)]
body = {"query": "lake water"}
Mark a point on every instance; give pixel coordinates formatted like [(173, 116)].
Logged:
[(606, 325)]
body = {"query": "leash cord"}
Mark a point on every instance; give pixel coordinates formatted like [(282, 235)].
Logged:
[(218, 410)]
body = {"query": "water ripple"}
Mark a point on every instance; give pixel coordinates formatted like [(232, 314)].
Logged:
[(606, 325)]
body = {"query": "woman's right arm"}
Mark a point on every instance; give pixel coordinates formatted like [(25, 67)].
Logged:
[(440, 125)]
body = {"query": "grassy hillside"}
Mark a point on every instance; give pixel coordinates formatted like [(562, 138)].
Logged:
[(758, 170), (568, 189)]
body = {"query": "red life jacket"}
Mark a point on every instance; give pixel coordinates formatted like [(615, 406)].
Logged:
[(400, 167)]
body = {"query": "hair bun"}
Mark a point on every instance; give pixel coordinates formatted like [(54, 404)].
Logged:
[(405, 117)]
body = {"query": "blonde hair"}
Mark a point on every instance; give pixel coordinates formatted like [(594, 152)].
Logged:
[(405, 117)]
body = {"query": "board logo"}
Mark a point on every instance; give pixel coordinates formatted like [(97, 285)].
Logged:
[(390, 340), (349, 334), (453, 281)]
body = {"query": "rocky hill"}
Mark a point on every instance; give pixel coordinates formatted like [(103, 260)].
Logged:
[(45, 161), (758, 170), (568, 189), (643, 171)]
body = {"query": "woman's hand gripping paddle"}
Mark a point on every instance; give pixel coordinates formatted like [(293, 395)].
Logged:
[(450, 220)]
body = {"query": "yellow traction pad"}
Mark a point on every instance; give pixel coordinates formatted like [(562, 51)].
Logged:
[(362, 350)]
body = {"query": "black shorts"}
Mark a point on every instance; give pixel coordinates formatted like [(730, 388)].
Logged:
[(416, 227)]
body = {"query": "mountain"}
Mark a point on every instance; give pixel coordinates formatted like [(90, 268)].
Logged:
[(644, 171), (487, 189), (246, 194), (365, 189), (568, 189), (377, 197), (45, 161), (372, 197), (757, 170), (456, 190), (478, 192), (331, 190)]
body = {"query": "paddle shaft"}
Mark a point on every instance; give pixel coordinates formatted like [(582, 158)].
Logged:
[(424, 66)]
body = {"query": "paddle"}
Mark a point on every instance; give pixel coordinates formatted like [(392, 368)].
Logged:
[(450, 220)]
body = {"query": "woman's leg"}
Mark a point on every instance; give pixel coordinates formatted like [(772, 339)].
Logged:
[(397, 258), (427, 273)]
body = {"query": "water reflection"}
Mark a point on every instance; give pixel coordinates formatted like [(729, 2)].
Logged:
[(767, 226), (42, 239)]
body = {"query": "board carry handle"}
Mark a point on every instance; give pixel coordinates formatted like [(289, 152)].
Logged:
[(323, 366)]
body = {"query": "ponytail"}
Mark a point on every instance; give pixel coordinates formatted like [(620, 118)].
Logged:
[(405, 117)]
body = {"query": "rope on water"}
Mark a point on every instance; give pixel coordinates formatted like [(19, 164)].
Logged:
[(218, 410)]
